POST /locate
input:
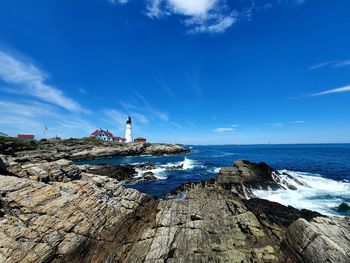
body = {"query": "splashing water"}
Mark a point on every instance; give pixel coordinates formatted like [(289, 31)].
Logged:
[(312, 192)]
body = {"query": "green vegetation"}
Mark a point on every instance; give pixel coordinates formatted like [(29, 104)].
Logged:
[(18, 145)]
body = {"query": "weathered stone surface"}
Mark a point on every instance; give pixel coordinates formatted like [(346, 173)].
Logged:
[(245, 175), (208, 226), (320, 240), (75, 221), (57, 171), (48, 215), (120, 172)]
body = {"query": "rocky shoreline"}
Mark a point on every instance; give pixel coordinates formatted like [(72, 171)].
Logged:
[(52, 210)]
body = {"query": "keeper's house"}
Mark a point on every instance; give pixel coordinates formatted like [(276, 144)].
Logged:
[(103, 135)]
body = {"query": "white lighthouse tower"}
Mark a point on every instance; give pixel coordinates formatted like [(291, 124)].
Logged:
[(128, 130)]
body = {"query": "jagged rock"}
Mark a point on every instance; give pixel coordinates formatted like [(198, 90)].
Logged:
[(148, 177), (68, 222), (276, 217), (320, 240), (84, 150), (208, 226), (245, 176), (95, 219), (57, 171), (120, 172)]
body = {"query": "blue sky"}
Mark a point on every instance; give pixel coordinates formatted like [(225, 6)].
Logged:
[(187, 71)]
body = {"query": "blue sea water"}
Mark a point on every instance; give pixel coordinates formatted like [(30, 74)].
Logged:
[(323, 168)]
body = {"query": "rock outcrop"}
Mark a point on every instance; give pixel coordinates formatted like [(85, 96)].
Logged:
[(81, 222), (245, 175), (55, 211), (68, 222), (320, 240), (81, 150)]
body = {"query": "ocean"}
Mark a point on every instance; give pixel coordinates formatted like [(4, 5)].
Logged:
[(323, 168)]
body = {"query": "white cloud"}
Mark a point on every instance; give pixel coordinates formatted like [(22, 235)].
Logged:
[(222, 130), (342, 63), (209, 16), (33, 117), (25, 78), (145, 106), (176, 125), (27, 109), (332, 64), (321, 65), (140, 117), (201, 16), (191, 124), (192, 7), (275, 124), (331, 91), (234, 125), (298, 122), (118, 1)]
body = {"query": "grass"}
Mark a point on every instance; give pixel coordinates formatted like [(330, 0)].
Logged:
[(19, 145)]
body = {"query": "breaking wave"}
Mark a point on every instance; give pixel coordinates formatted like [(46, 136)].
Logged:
[(160, 171), (311, 191)]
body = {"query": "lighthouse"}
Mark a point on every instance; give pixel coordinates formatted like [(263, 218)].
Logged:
[(128, 130)]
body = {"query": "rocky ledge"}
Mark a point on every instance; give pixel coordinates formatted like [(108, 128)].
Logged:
[(92, 218), (79, 149)]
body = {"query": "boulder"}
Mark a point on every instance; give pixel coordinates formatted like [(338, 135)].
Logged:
[(56, 171), (245, 175), (320, 240), (119, 172)]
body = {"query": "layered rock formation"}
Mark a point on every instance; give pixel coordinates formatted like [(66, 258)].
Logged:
[(80, 150), (55, 211)]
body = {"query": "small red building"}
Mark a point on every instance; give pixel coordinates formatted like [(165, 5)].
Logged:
[(119, 139), (26, 137), (140, 139)]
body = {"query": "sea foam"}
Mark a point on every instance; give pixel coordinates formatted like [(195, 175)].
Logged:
[(312, 192)]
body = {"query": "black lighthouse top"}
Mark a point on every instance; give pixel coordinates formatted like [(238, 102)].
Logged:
[(128, 120)]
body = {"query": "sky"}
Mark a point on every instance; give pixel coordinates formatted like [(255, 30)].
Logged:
[(186, 71)]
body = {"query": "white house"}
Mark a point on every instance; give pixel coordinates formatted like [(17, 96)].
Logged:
[(103, 135)]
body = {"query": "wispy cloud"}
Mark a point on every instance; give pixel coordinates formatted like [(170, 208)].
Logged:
[(282, 124), (342, 63), (332, 91), (275, 124), (118, 1), (25, 78), (234, 125), (331, 64), (321, 65), (176, 125), (298, 122), (223, 130), (30, 116), (165, 86), (191, 124), (146, 106)]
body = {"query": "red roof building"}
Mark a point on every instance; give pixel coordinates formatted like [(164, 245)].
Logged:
[(119, 139), (26, 137), (140, 139), (103, 135)]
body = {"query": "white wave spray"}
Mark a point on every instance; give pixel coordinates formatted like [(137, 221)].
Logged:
[(311, 192)]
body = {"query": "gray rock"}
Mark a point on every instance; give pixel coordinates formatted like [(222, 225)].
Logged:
[(320, 240)]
